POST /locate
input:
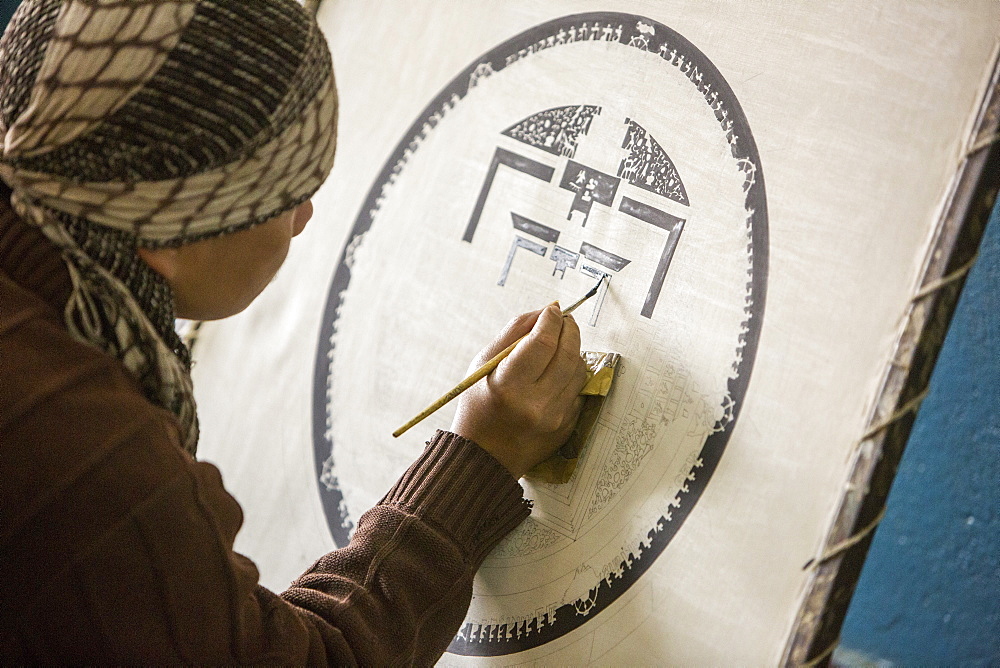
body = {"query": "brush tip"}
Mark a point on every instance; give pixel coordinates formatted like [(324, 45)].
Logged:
[(593, 290)]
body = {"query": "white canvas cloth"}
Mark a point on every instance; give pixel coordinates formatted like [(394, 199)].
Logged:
[(859, 118)]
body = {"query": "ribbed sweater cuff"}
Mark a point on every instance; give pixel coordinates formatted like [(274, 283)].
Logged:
[(461, 488)]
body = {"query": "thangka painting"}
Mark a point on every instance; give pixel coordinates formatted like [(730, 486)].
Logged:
[(757, 185)]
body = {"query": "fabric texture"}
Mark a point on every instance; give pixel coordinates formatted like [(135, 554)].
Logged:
[(157, 123), (117, 545)]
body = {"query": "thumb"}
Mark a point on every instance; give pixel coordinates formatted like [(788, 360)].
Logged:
[(528, 361)]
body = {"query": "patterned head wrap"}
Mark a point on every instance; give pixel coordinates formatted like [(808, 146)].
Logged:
[(149, 123)]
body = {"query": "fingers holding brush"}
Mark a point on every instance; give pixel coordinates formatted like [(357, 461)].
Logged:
[(566, 371), (533, 358), (549, 362), (516, 329), (528, 361), (526, 409), (561, 382)]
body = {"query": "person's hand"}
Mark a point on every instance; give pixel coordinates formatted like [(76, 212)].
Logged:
[(526, 408)]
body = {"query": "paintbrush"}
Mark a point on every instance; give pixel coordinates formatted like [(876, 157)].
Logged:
[(485, 369)]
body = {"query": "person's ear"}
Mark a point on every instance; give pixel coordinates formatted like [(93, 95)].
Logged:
[(161, 260)]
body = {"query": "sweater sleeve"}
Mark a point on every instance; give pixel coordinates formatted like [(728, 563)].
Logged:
[(118, 547), (405, 581)]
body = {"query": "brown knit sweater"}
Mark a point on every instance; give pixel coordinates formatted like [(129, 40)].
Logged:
[(116, 546)]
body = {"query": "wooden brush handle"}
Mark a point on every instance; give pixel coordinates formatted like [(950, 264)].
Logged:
[(471, 380), (484, 370)]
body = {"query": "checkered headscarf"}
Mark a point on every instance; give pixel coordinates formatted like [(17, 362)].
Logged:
[(129, 123)]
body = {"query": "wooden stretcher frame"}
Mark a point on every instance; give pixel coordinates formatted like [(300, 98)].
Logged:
[(906, 380), (816, 630)]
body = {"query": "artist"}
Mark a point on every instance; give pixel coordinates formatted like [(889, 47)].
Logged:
[(158, 157)]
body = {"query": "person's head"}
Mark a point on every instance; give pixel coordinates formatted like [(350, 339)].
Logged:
[(169, 148), (218, 277)]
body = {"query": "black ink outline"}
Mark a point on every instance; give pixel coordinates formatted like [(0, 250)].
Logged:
[(534, 228), (600, 188), (602, 257), (526, 244), (637, 168), (602, 291), (560, 141), (672, 48), (665, 221), (564, 259), (510, 159)]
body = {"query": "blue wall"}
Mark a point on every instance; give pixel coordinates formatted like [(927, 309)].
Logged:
[(930, 589), (7, 8)]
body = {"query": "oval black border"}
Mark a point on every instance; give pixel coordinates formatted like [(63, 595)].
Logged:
[(492, 641)]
